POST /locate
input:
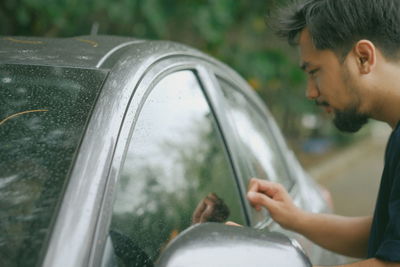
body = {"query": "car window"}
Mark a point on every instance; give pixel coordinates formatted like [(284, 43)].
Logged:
[(257, 143), (175, 167), (43, 113)]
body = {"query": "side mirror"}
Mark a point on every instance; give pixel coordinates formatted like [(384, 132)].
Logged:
[(212, 244)]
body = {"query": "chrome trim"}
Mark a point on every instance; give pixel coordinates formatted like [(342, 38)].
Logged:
[(215, 96)]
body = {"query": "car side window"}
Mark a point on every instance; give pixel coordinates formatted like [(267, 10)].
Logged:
[(256, 140), (176, 173)]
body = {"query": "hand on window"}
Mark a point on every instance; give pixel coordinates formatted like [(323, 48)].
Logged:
[(210, 209), (275, 198)]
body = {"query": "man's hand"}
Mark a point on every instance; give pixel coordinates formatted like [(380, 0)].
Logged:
[(344, 235), (210, 209), (276, 200)]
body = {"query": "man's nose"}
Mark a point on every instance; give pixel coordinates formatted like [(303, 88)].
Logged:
[(312, 91)]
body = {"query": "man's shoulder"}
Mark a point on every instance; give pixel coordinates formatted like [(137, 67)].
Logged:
[(394, 140), (396, 131), (392, 155)]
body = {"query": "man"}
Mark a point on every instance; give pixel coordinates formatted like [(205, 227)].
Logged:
[(350, 50)]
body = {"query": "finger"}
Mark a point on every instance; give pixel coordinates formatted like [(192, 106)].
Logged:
[(259, 199), (233, 224), (208, 211), (199, 211), (253, 184), (263, 186), (253, 187), (201, 204), (212, 197)]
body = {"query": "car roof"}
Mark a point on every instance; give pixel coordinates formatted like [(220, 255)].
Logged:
[(79, 52), (101, 52)]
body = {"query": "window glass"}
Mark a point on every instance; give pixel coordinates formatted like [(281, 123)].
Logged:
[(43, 113), (175, 167), (258, 145)]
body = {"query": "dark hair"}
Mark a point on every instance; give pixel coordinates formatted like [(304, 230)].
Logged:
[(339, 24)]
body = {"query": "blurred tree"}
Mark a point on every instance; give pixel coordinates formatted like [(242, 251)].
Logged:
[(233, 31)]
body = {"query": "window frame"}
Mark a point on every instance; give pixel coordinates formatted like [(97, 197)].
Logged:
[(225, 73), (266, 118), (152, 76)]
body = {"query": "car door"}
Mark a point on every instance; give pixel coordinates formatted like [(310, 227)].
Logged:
[(176, 168), (257, 146), (260, 151)]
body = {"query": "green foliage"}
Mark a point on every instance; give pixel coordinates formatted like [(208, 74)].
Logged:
[(233, 31)]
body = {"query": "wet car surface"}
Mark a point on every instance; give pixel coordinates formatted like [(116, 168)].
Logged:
[(111, 147)]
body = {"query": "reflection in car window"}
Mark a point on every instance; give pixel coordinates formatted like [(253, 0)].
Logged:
[(43, 112), (175, 172), (257, 142)]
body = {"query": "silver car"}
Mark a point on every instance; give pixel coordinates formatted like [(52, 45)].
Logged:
[(124, 152)]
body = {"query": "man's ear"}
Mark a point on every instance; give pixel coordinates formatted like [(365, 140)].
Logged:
[(365, 52)]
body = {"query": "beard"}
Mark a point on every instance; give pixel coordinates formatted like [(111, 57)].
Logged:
[(349, 120)]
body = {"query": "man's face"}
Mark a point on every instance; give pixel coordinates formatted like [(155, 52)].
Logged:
[(331, 85)]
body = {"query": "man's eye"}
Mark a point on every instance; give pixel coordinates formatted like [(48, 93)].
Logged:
[(312, 72)]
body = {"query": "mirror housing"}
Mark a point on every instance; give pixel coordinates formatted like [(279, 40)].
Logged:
[(219, 245)]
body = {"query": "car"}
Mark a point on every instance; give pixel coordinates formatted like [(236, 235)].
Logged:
[(114, 150)]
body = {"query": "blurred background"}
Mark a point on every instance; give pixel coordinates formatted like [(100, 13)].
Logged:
[(234, 31)]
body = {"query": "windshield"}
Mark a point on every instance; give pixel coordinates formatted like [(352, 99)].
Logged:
[(43, 113)]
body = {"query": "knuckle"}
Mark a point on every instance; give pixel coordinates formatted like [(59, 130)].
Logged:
[(280, 187), (263, 198)]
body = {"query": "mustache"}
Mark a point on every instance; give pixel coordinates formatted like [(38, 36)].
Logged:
[(322, 103)]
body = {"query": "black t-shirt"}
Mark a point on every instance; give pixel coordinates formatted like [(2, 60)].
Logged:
[(384, 240)]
